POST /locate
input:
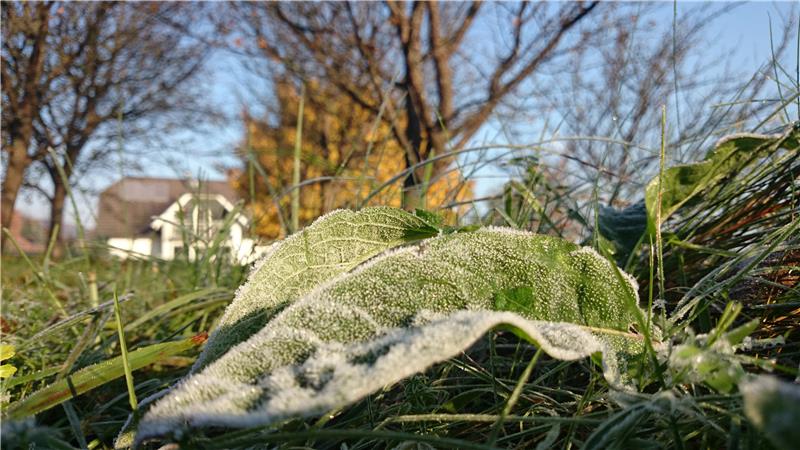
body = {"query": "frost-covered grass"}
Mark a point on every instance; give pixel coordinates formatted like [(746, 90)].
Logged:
[(727, 313)]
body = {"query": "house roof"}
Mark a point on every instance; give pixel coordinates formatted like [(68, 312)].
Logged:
[(127, 207)]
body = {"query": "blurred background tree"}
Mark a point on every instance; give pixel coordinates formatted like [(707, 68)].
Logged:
[(422, 68), (345, 154), (390, 86), (615, 89), (84, 78), (444, 77)]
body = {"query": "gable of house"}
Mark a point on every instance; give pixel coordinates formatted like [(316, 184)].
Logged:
[(127, 208)]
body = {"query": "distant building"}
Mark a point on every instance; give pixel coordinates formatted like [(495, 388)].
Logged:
[(157, 217), (29, 234)]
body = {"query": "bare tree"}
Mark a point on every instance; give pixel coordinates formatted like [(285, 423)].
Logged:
[(610, 96), (424, 67), (102, 69), (616, 90), (25, 31)]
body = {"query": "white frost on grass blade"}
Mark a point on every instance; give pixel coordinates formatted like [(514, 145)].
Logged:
[(402, 312)]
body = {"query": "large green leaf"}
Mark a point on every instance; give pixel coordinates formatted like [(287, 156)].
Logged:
[(400, 313), (334, 244), (684, 182)]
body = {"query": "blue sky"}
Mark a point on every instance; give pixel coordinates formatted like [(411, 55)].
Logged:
[(742, 35)]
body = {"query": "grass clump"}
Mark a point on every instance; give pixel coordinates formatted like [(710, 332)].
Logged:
[(726, 315)]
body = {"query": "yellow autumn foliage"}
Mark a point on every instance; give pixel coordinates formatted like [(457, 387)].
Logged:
[(344, 157)]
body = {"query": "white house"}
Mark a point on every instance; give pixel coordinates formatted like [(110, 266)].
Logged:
[(159, 217)]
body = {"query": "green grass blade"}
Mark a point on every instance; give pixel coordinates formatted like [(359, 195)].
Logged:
[(35, 376), (36, 273), (176, 303), (125, 362), (514, 397), (39, 337), (332, 435), (74, 423), (683, 183), (296, 165), (91, 377)]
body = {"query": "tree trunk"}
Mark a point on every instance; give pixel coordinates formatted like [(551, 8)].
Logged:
[(57, 215), (416, 183), (20, 130), (18, 162), (60, 175), (412, 193), (412, 184)]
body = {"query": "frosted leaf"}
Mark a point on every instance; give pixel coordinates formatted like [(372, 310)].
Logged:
[(773, 406), (402, 312), (682, 183), (333, 244)]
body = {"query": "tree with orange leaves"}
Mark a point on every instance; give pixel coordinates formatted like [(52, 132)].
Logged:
[(347, 158)]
